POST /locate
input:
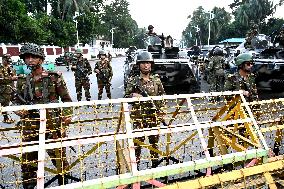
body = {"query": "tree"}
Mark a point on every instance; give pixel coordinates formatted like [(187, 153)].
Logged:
[(13, 14), (117, 16)]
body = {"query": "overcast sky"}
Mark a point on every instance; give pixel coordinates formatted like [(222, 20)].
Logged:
[(170, 17)]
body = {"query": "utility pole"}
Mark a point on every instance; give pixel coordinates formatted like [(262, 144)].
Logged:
[(197, 34), (211, 16), (111, 31), (76, 21)]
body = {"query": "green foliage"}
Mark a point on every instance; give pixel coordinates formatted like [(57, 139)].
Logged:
[(200, 18), (117, 16)]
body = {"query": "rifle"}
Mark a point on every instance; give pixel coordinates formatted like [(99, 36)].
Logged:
[(34, 113), (144, 93)]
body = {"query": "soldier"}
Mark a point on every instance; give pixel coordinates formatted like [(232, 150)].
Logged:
[(82, 69), (104, 73), (151, 30), (145, 114), (41, 87), (109, 56), (216, 70), (7, 78), (280, 38), (243, 79), (250, 35)]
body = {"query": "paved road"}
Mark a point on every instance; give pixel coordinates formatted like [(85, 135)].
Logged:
[(117, 81)]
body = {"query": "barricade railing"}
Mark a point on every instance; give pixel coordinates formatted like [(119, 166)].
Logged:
[(193, 135)]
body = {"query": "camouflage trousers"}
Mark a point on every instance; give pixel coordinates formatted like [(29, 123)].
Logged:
[(217, 82), (82, 83), (30, 159), (5, 99), (101, 86), (146, 120)]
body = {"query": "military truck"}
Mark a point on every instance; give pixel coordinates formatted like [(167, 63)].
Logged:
[(179, 76), (269, 63)]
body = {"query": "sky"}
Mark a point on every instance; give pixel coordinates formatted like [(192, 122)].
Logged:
[(170, 16)]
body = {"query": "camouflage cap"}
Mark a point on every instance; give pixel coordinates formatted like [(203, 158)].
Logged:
[(245, 57), (33, 49)]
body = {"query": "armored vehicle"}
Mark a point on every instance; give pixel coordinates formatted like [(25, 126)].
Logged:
[(269, 63), (177, 75)]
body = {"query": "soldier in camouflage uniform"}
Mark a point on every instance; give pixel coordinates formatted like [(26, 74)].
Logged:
[(243, 79), (104, 73), (145, 114), (280, 38), (41, 87), (82, 69), (7, 78), (250, 35), (216, 70)]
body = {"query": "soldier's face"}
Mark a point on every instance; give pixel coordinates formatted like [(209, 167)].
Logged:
[(145, 67), (32, 60), (248, 66), (103, 56)]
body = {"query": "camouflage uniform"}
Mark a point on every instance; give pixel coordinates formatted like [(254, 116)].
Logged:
[(217, 74), (83, 69), (235, 82), (143, 114), (280, 38), (104, 77), (6, 73), (48, 88), (250, 35)]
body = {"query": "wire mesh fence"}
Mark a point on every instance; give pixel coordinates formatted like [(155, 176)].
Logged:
[(119, 142)]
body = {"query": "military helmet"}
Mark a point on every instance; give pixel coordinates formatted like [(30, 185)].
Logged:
[(241, 58), (144, 57), (102, 52), (79, 51), (218, 51), (150, 27), (33, 49)]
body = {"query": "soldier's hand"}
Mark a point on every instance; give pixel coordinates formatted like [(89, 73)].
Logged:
[(246, 93), (22, 113), (97, 71), (136, 95), (66, 120), (15, 78)]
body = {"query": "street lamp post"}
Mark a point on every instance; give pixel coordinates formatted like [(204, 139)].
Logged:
[(197, 34), (211, 16), (111, 31), (77, 33)]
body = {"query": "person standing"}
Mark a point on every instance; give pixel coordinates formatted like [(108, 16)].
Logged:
[(104, 73), (146, 114), (217, 70), (243, 79), (41, 87), (82, 69), (7, 78)]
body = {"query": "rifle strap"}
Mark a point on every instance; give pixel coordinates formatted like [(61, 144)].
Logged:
[(28, 91), (45, 89)]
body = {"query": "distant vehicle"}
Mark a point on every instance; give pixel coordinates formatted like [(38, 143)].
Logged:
[(177, 75), (269, 63), (62, 59)]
